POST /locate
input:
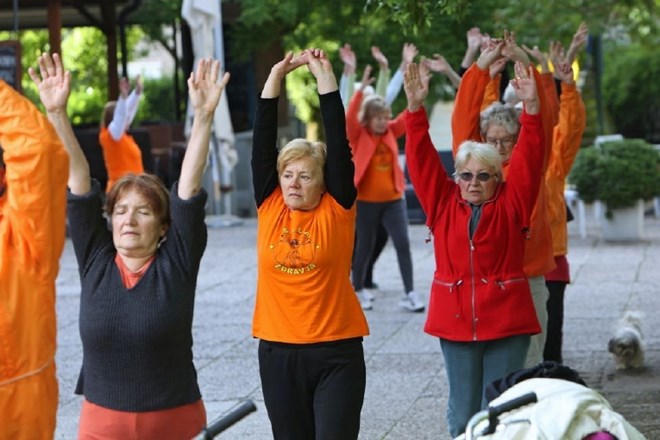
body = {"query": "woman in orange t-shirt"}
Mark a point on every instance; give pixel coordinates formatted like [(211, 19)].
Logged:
[(306, 315)]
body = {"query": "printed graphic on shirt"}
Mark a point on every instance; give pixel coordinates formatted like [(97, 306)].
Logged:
[(295, 252), (382, 159)]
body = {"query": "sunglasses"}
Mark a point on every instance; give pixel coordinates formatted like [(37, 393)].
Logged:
[(482, 177)]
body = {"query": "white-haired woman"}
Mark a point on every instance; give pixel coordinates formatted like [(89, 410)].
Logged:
[(307, 316), (480, 306)]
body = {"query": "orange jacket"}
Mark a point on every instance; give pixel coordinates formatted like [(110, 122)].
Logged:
[(465, 126), (567, 137), (32, 222), (363, 143), (121, 157)]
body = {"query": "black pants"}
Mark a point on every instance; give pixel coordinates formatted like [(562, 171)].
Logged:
[(381, 241), (555, 306), (313, 391)]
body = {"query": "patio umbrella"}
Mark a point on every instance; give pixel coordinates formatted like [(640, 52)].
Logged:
[(205, 20)]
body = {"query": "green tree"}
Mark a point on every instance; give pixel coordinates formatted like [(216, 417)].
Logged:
[(435, 26)]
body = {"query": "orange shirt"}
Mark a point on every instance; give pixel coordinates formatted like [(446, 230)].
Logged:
[(121, 157), (304, 292), (377, 184)]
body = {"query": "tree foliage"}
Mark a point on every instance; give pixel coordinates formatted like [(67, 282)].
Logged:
[(434, 26)]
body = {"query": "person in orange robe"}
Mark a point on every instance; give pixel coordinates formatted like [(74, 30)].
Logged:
[(34, 168)]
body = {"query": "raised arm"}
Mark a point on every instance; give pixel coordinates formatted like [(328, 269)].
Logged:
[(578, 42), (204, 91), (426, 171), (339, 167), (527, 161), (470, 96), (133, 101), (347, 80), (383, 70), (475, 39), (408, 54), (264, 138), (54, 86), (118, 126), (34, 198), (439, 64)]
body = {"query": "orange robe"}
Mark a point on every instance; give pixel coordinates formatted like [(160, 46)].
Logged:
[(32, 231)]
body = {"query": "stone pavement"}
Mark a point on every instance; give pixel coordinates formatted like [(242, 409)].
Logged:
[(406, 392)]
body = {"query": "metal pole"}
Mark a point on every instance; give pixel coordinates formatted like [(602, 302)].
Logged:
[(16, 17)]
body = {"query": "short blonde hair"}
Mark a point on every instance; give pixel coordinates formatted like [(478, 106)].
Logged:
[(371, 106), (300, 148), (485, 154)]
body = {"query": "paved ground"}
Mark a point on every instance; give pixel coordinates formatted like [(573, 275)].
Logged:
[(406, 385)]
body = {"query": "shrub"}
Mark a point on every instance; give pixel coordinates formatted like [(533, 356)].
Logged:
[(617, 173)]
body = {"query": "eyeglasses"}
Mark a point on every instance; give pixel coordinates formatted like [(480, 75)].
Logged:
[(505, 143), (481, 177)]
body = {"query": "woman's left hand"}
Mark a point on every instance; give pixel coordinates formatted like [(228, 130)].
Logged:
[(204, 89)]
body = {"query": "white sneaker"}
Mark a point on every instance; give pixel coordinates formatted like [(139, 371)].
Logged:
[(368, 295), (364, 301), (412, 303)]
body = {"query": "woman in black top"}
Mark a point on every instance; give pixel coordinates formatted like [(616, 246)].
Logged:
[(138, 280)]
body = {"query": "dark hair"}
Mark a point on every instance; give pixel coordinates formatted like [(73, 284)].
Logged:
[(2, 161), (108, 113), (148, 186)]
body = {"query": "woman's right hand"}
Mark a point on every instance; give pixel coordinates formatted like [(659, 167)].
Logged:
[(54, 84)]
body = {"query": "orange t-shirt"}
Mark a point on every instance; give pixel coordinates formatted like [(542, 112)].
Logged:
[(377, 185), (121, 157), (304, 292)]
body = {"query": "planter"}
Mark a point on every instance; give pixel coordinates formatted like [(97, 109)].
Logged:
[(626, 224)]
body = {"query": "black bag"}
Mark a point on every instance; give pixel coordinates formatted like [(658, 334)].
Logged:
[(569, 214)]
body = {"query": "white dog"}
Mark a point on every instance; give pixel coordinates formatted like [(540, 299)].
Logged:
[(627, 344)]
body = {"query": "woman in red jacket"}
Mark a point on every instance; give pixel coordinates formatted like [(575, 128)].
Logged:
[(480, 306)]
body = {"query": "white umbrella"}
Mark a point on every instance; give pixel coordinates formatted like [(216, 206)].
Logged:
[(205, 20)]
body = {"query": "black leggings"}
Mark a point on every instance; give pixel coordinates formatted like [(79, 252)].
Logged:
[(313, 391), (555, 306), (381, 241)]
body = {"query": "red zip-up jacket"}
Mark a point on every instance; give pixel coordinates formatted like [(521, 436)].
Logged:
[(479, 290)]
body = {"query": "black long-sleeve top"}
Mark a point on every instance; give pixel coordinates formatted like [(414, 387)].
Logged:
[(339, 168), (137, 342)]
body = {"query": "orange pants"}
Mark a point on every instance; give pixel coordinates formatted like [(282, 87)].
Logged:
[(28, 407), (182, 422)]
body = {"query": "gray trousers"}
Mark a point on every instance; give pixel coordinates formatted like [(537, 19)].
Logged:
[(394, 217)]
